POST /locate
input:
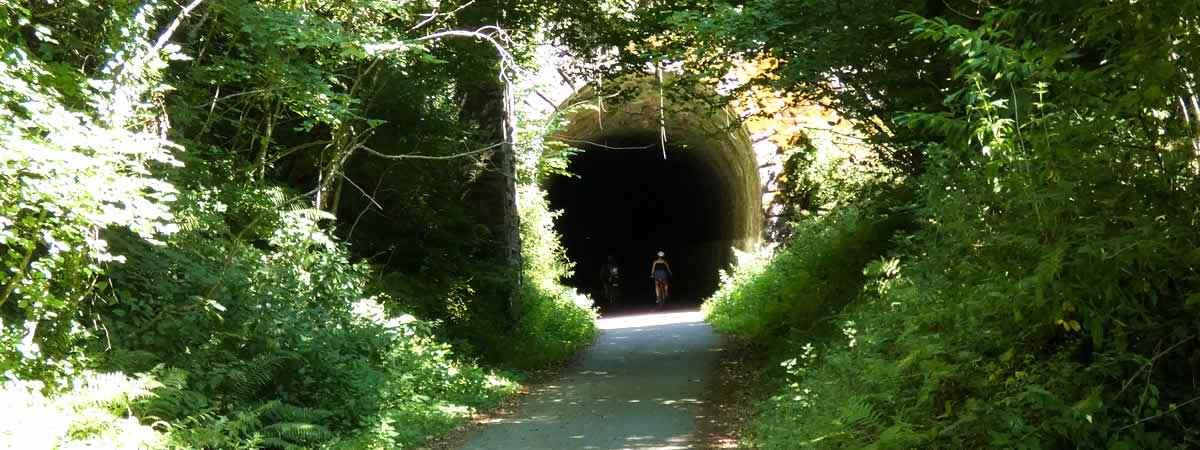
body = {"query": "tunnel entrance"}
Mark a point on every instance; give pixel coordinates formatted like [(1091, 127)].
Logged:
[(628, 202), (627, 205)]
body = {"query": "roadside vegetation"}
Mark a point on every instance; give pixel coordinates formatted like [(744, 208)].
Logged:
[(1016, 265), (230, 224), (241, 225)]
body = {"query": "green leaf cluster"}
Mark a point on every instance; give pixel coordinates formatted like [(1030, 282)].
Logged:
[(249, 221), (1043, 300), (77, 155)]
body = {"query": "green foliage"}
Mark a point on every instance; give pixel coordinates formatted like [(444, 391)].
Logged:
[(287, 352), (537, 157), (555, 319), (214, 267), (819, 270), (848, 55), (94, 413), (767, 295), (72, 161), (1045, 299)]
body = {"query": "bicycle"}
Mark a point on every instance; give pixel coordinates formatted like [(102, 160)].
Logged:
[(660, 272), (612, 287), (660, 292)]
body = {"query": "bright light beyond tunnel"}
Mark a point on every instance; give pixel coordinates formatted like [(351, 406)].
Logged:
[(649, 320)]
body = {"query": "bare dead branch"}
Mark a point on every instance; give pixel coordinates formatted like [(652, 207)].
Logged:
[(434, 15), (284, 155), (1159, 414), (566, 79), (597, 144), (166, 35), (951, 8), (427, 157), (362, 213), (543, 97), (364, 193), (227, 97), (1150, 363)]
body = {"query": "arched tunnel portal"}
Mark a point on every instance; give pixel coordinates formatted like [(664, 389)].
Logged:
[(626, 201)]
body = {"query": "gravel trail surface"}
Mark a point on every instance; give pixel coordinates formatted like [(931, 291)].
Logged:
[(638, 386)]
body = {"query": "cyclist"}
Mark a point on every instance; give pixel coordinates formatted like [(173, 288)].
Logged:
[(661, 271), (612, 280)]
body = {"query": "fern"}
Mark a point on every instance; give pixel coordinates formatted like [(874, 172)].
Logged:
[(900, 435), (173, 377), (857, 416), (95, 414), (1049, 268), (114, 390), (257, 373), (310, 214), (274, 442), (249, 419), (299, 432), (127, 360), (277, 411)]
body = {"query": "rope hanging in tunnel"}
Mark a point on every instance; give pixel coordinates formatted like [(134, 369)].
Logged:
[(662, 112), (600, 101)]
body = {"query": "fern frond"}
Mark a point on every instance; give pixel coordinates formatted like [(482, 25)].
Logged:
[(249, 419), (125, 360), (274, 442), (277, 411), (170, 403), (310, 214), (1049, 268), (257, 373), (112, 389), (299, 432), (174, 377), (188, 222), (246, 382), (276, 195), (858, 414), (203, 416)]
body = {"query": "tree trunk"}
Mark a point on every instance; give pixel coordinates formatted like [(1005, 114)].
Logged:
[(487, 107)]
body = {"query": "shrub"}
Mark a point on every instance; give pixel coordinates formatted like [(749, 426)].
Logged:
[(818, 272), (1047, 298), (555, 319), (288, 350), (94, 413)]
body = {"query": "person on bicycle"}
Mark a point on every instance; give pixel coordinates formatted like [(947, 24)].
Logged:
[(661, 271), (611, 273)]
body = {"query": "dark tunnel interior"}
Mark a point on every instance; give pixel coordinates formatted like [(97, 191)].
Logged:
[(629, 204)]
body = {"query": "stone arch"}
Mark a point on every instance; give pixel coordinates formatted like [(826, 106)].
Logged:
[(711, 167)]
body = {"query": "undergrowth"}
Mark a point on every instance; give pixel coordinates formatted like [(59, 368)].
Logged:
[(1046, 295), (289, 351), (172, 278), (849, 213), (555, 319)]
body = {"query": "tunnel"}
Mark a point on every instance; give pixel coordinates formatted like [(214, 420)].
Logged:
[(696, 198)]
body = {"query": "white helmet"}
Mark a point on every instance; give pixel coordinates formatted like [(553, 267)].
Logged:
[(661, 254)]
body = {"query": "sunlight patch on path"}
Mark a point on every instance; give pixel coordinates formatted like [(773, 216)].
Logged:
[(637, 387), (650, 320)]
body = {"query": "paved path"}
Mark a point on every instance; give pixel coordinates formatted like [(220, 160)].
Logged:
[(638, 386)]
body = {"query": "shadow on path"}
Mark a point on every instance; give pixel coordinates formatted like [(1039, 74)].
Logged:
[(638, 386)]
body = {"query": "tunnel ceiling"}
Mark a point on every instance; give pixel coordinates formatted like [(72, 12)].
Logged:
[(627, 201)]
